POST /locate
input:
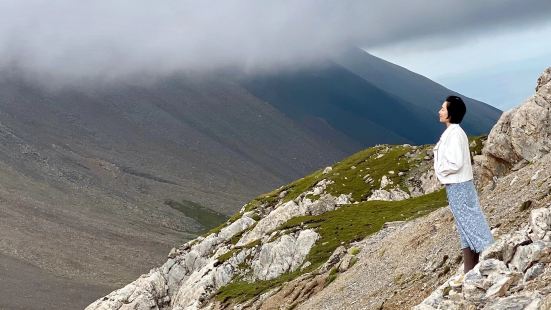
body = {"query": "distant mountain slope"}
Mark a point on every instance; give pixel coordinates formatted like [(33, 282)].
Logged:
[(368, 99), (415, 88), (348, 103), (200, 137)]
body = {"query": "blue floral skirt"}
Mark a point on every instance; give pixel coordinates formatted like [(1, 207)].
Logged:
[(471, 224)]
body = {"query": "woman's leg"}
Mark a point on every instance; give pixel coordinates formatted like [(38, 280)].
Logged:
[(470, 259)]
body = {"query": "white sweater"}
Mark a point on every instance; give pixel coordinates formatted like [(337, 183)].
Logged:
[(452, 157)]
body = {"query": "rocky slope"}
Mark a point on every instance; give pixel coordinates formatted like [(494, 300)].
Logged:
[(515, 272), (296, 231), (373, 232)]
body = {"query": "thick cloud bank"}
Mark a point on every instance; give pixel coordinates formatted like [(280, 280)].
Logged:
[(67, 40)]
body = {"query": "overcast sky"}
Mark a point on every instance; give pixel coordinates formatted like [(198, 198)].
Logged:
[(499, 67), (65, 41)]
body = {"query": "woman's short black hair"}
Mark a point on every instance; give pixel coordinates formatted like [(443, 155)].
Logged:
[(456, 109)]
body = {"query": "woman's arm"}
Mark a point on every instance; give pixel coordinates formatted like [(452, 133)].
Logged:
[(451, 159)]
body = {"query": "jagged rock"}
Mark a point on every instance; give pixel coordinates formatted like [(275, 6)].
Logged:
[(385, 181), (501, 285), (533, 272), (283, 255), (284, 212), (317, 191), (346, 262), (393, 194), (335, 258), (367, 178), (504, 248), (236, 227), (160, 285), (341, 200), (194, 291), (523, 301), (525, 256), (424, 184), (488, 279), (173, 253), (318, 188), (540, 220), (278, 216), (147, 292), (523, 132), (495, 250), (436, 300), (203, 283), (490, 266), (518, 238)]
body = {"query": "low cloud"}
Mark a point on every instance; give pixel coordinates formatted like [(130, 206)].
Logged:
[(63, 40)]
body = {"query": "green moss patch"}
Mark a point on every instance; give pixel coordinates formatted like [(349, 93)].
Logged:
[(239, 290), (347, 180), (348, 174), (331, 277), (354, 250)]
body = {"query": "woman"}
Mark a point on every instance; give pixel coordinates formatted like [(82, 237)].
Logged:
[(452, 165)]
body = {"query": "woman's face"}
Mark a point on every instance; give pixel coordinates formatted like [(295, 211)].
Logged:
[(443, 113)]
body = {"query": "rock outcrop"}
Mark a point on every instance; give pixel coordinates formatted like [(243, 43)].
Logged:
[(185, 277), (286, 211), (194, 272), (521, 135), (285, 254), (505, 273)]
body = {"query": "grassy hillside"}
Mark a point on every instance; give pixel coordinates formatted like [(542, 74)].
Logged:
[(358, 175)]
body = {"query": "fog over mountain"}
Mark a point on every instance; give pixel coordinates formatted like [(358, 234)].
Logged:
[(64, 42)]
